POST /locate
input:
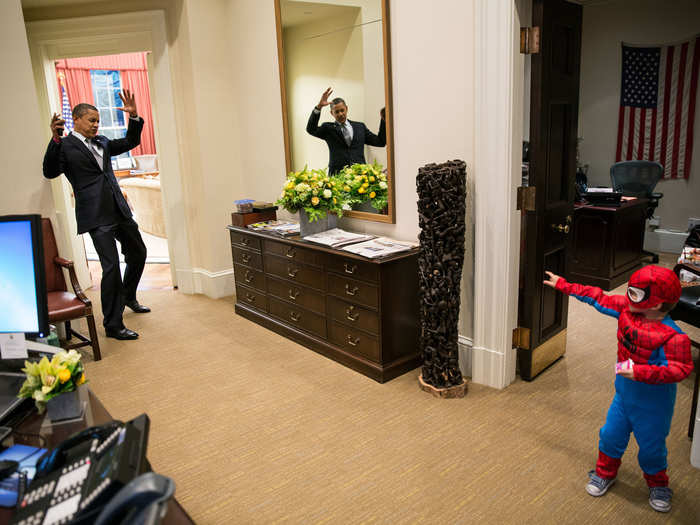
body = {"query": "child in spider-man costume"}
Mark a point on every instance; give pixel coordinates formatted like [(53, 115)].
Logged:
[(653, 354)]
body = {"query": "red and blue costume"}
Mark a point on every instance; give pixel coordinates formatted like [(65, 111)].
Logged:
[(661, 355)]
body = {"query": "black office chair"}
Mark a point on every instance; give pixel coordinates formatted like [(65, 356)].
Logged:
[(688, 310), (638, 178)]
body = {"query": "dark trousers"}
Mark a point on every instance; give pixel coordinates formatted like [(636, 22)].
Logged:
[(114, 292)]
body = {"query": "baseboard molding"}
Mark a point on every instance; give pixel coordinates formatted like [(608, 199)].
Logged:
[(465, 346), (661, 240), (212, 284)]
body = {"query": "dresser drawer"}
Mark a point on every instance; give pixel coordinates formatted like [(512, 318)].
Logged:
[(249, 277), (299, 317), (353, 268), (353, 315), (354, 341), (247, 241), (299, 295), (247, 258), (294, 253), (250, 297), (353, 291), (295, 272)]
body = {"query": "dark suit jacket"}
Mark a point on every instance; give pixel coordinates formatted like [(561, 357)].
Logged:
[(341, 154), (97, 194)]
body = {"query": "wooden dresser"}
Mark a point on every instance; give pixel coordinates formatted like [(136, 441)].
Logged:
[(359, 312)]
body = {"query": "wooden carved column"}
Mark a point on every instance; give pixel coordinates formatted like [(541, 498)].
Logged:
[(441, 211)]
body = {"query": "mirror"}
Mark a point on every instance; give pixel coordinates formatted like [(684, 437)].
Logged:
[(344, 45)]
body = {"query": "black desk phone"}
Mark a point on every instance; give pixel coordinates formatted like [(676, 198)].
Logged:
[(95, 477)]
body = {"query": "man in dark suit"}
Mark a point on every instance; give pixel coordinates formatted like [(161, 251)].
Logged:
[(346, 139), (100, 208)]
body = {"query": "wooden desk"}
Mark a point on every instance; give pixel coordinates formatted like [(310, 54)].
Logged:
[(607, 242), (95, 414)]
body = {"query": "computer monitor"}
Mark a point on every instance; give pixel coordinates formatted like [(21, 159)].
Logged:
[(23, 299)]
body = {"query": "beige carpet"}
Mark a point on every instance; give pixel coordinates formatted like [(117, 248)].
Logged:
[(256, 429)]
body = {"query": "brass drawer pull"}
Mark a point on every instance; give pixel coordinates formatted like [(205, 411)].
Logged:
[(249, 276), (292, 272), (249, 297), (291, 252), (293, 294), (294, 316), (350, 269), (351, 341), (349, 313), (350, 291), (245, 241), (245, 257)]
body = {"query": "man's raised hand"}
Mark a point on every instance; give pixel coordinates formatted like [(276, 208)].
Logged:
[(57, 126), (129, 102), (324, 98)]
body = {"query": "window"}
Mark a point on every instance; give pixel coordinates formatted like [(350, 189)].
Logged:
[(106, 85)]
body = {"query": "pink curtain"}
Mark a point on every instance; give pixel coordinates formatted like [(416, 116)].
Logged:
[(133, 70)]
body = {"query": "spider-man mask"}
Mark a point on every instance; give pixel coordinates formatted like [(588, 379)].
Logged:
[(653, 285)]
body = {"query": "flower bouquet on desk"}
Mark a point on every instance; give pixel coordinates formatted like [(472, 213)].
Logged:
[(54, 384), (365, 184), (317, 198)]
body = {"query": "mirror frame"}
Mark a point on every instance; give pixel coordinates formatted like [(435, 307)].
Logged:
[(390, 216)]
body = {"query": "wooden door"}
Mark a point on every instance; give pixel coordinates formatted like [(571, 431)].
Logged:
[(552, 169)]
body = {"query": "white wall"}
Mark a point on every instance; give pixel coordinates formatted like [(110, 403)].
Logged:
[(24, 133), (605, 26)]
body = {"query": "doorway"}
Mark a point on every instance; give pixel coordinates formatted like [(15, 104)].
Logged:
[(54, 40)]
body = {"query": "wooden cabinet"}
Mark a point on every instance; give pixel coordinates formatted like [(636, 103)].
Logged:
[(606, 247), (359, 312)]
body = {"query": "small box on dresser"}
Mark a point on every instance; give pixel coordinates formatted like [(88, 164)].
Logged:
[(359, 312)]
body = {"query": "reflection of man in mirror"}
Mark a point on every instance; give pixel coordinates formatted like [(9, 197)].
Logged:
[(346, 139)]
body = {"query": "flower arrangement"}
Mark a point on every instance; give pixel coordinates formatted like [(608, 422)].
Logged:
[(363, 183), (313, 191), (48, 379)]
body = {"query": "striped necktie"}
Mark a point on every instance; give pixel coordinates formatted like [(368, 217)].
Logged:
[(93, 150)]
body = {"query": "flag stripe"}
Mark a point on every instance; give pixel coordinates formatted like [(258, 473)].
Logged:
[(620, 130), (652, 135), (691, 108), (679, 109), (642, 129), (630, 133), (666, 104)]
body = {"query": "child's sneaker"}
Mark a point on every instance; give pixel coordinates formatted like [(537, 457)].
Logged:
[(660, 498), (598, 486)]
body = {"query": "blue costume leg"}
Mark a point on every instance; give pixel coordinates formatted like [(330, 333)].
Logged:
[(615, 434)]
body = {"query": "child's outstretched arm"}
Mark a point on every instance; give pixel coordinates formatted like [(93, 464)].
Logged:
[(608, 304)]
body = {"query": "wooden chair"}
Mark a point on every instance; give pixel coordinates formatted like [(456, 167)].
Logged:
[(688, 311), (65, 306)]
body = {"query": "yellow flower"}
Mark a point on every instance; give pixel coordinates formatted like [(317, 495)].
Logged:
[(346, 188), (290, 185), (335, 201), (365, 184), (372, 195), (64, 375), (81, 380), (314, 200), (361, 190), (372, 179)]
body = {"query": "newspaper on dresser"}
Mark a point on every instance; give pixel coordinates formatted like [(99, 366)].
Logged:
[(280, 227), (336, 237), (379, 247)]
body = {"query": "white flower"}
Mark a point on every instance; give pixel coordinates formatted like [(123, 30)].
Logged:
[(327, 193), (302, 187), (382, 185)]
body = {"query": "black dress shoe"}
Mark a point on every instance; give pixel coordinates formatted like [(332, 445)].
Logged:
[(138, 308), (123, 334)]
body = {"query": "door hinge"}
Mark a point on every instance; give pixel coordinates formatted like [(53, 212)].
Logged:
[(521, 337), (526, 198), (529, 40)]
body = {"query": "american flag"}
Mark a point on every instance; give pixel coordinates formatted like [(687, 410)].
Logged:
[(66, 109), (657, 105)]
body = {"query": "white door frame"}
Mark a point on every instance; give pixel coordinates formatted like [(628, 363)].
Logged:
[(50, 40), (498, 133)]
